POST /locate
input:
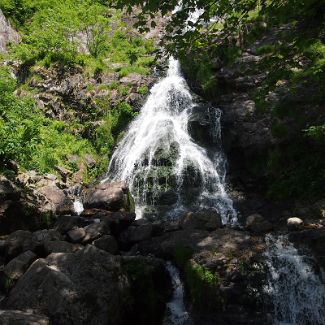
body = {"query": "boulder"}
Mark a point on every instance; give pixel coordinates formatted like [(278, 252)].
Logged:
[(18, 242), (60, 246), (40, 237), (56, 199), (8, 190), (76, 235), (94, 231), (17, 266), (294, 223), (107, 243), (136, 234), (204, 220), (108, 196), (87, 287), (17, 317), (168, 198), (256, 224), (66, 223)]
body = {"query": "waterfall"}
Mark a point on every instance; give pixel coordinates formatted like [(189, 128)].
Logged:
[(176, 313), (294, 285), (165, 169)]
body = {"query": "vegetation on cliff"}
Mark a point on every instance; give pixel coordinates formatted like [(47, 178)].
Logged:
[(86, 41)]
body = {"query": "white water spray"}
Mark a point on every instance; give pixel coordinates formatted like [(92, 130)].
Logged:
[(296, 290), (158, 155)]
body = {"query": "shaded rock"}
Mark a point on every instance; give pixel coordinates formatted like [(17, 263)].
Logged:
[(17, 317), (107, 243), (60, 246), (87, 287), (66, 223), (76, 235), (95, 231), (135, 234), (113, 196), (257, 224), (294, 223), (39, 237), (204, 220), (150, 287), (18, 242), (8, 190), (17, 266)]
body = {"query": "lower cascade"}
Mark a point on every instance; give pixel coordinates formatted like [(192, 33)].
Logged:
[(295, 287), (168, 173), (176, 313)]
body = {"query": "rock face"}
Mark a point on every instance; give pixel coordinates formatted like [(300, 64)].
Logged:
[(113, 196), (8, 317), (257, 224), (7, 33), (203, 220), (88, 287)]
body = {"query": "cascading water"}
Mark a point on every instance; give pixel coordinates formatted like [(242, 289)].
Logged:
[(160, 161), (176, 313), (295, 287)]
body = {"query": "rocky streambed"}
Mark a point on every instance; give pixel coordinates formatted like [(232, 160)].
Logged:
[(105, 267)]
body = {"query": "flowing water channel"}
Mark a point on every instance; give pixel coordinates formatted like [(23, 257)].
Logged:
[(295, 284), (167, 171)]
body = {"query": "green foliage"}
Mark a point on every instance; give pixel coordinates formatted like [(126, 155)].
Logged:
[(30, 138), (203, 287)]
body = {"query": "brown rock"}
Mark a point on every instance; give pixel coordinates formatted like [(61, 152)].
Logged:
[(76, 235)]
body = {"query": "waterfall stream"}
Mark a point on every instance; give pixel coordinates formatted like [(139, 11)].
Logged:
[(176, 313), (167, 172), (295, 287)]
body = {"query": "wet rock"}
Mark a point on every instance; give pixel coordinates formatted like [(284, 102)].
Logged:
[(87, 287), (204, 220), (168, 198), (113, 197), (76, 235), (107, 243), (294, 223), (17, 317), (17, 266), (257, 224)]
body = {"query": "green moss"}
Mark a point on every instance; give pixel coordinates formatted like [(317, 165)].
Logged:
[(203, 287)]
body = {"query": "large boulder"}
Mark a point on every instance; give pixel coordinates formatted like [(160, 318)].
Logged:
[(17, 266), (204, 220), (136, 234), (56, 200), (107, 243), (87, 287), (18, 242), (109, 196)]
